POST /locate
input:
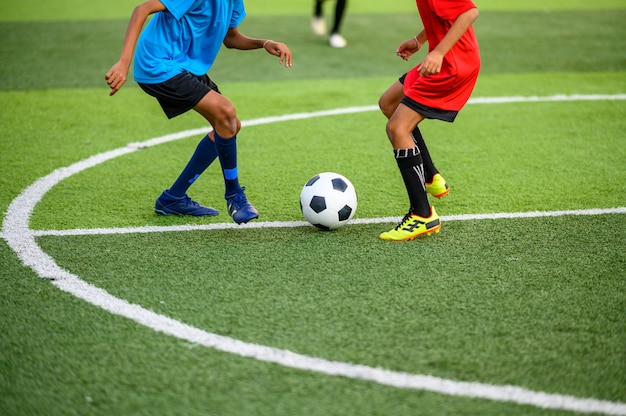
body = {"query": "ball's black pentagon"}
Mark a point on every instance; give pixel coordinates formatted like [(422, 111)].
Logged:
[(318, 204), (339, 185), (312, 180), (344, 213)]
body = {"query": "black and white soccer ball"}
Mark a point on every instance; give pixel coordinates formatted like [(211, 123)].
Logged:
[(328, 200)]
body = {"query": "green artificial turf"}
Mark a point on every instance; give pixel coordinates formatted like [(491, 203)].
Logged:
[(531, 302)]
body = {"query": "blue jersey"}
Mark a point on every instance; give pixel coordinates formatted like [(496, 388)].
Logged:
[(185, 37)]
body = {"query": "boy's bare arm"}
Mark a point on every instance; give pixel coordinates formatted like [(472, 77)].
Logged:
[(410, 46), (116, 77), (236, 40), (433, 61)]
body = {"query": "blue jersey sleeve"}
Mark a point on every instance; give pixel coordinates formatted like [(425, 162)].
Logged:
[(178, 8), (239, 13)]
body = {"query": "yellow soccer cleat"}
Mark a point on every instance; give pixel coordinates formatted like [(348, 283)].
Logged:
[(413, 226), (438, 187)]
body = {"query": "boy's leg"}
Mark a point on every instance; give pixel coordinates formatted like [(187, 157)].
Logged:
[(202, 158), (177, 96), (227, 153), (429, 168), (412, 170), (336, 40), (220, 112), (408, 157), (435, 183), (317, 8), (318, 23), (388, 103), (239, 208), (421, 218), (174, 201), (340, 9), (391, 98)]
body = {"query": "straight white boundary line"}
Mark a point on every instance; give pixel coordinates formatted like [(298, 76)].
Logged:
[(293, 224), (21, 239)]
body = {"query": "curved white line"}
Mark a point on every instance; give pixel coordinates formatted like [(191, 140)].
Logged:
[(21, 239)]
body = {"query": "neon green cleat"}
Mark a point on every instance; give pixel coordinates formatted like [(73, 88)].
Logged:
[(413, 226), (438, 187)]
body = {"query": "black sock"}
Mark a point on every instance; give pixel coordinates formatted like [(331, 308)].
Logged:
[(339, 12), (412, 170), (317, 8), (429, 167)]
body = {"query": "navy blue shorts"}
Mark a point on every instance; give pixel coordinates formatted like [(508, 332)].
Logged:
[(426, 111), (181, 93)]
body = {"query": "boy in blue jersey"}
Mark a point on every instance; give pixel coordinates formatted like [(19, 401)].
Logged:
[(172, 57)]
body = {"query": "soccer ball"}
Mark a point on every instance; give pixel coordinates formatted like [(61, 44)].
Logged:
[(328, 201)]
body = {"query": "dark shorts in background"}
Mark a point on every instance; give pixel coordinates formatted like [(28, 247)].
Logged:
[(426, 111), (181, 93)]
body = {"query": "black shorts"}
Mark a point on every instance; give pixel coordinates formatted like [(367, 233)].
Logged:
[(426, 111), (181, 93)]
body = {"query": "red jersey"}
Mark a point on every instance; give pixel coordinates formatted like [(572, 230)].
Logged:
[(451, 88)]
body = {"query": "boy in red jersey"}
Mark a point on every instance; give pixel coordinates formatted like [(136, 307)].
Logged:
[(437, 88)]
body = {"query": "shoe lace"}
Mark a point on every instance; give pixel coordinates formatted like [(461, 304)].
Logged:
[(189, 202), (404, 220), (238, 199)]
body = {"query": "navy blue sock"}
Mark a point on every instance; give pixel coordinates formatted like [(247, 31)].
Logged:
[(227, 152), (204, 155)]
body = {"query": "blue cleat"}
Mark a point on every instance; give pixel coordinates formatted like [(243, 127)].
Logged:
[(166, 204), (239, 208)]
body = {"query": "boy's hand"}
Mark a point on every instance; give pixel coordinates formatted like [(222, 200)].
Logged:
[(431, 65), (407, 48), (281, 50), (116, 77)]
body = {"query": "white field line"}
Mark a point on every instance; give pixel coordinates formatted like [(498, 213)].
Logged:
[(164, 324), (21, 239), (293, 224)]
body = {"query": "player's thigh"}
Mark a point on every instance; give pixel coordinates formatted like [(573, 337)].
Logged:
[(214, 105), (401, 124), (220, 112), (390, 99)]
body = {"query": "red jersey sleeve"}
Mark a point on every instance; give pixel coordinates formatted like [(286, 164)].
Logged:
[(450, 9)]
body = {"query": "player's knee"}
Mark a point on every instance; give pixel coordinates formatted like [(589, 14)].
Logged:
[(227, 112), (385, 107), (228, 124), (392, 129)]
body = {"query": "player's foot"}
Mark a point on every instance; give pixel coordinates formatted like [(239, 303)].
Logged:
[(239, 208), (438, 187), (413, 226), (166, 204), (337, 41), (318, 24)]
